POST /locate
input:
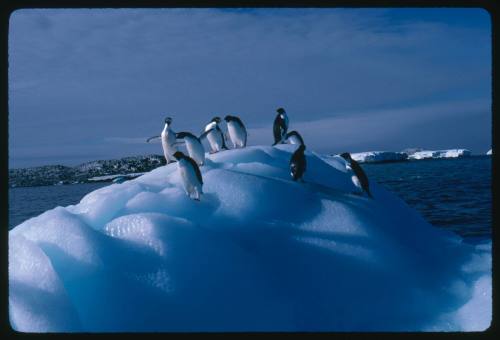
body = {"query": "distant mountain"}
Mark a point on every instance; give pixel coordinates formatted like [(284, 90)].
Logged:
[(86, 172)]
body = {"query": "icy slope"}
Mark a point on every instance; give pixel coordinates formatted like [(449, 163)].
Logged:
[(258, 253)]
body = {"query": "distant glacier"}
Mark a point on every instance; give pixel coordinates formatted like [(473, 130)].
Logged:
[(452, 153), (379, 156), (407, 155)]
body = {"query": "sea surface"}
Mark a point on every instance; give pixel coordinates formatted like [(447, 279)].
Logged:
[(450, 193)]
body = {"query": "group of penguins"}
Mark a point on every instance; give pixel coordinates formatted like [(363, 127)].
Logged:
[(188, 166)]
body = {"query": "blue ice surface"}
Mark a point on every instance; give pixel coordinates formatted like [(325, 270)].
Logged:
[(259, 252)]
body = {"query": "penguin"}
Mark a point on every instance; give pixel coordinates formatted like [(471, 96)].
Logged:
[(214, 135), (237, 131), (298, 163), (293, 137), (193, 145), (359, 179), (167, 141), (280, 126), (190, 174)]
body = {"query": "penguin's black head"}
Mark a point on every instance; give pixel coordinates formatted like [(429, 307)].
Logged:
[(228, 118), (168, 120), (302, 147), (280, 110), (179, 155), (216, 119), (346, 156)]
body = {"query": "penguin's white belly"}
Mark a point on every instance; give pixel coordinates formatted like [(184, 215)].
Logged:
[(210, 126), (294, 140), (189, 179), (167, 142), (195, 150), (237, 134), (356, 182), (215, 140)]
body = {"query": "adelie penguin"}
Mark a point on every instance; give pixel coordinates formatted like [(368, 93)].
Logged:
[(360, 179), (214, 135), (293, 137), (190, 174), (193, 145), (237, 131), (280, 126), (167, 141), (298, 163)]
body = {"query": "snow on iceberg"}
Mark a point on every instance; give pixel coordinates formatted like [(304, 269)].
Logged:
[(489, 152), (258, 253), (452, 153), (379, 156)]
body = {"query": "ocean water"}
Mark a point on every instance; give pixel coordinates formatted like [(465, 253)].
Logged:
[(449, 193), (27, 202)]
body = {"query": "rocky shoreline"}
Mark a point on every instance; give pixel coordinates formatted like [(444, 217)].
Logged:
[(94, 171)]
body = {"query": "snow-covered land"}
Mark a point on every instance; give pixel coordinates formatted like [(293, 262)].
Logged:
[(259, 252), (86, 172), (452, 153), (489, 152), (379, 156)]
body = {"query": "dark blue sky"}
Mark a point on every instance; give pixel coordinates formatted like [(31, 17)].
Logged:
[(93, 84)]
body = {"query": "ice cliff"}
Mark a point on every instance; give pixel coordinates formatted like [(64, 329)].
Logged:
[(379, 156), (452, 153)]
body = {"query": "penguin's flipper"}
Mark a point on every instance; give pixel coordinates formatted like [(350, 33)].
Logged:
[(204, 134), (151, 138)]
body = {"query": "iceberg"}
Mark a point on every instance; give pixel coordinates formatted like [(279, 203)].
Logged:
[(452, 153), (379, 156), (489, 152), (259, 252)]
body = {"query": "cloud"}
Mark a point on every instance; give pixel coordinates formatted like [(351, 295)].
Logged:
[(80, 76), (374, 129)]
